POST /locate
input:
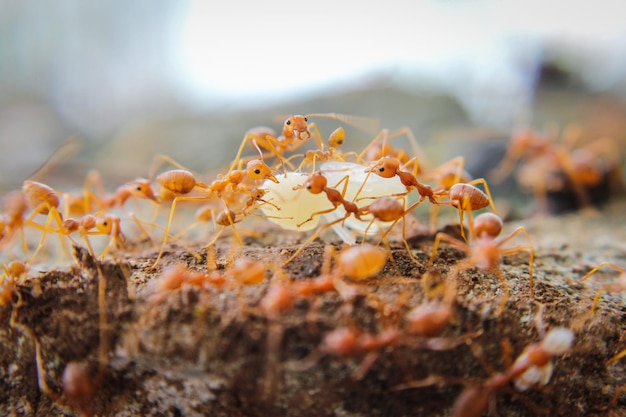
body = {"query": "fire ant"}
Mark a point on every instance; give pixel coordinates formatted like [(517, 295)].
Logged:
[(390, 210), (317, 183), (532, 367), (344, 342), (552, 167), (431, 318), (90, 225), (389, 167), (181, 182), (296, 131), (335, 140), (13, 220), (485, 250), (88, 202), (379, 148), (465, 197), (42, 200)]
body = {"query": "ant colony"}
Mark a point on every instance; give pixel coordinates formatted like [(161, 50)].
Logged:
[(302, 181)]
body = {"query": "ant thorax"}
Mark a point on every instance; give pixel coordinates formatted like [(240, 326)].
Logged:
[(296, 206)]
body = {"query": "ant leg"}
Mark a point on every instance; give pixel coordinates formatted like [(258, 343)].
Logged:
[(317, 137), (53, 214), (602, 265), (231, 220), (317, 213), (606, 287), (416, 150), (618, 393), (169, 224), (88, 242), (531, 251), (498, 274), (617, 357), (449, 240), (159, 160), (381, 135), (313, 237), (140, 226)]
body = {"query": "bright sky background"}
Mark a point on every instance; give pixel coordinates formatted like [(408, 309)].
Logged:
[(277, 47)]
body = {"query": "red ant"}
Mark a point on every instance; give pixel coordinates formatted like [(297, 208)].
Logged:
[(296, 131), (465, 197), (180, 182), (530, 368), (89, 225), (552, 167), (485, 249), (389, 167), (317, 183), (389, 210)]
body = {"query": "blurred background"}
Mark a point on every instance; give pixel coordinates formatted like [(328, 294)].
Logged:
[(188, 78)]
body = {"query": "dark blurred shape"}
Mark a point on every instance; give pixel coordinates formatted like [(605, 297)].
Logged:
[(566, 199), (554, 75)]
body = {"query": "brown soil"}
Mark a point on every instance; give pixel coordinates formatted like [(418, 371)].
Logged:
[(214, 352)]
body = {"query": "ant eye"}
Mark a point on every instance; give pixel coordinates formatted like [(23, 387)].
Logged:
[(381, 169), (105, 223), (139, 188), (305, 119), (288, 122), (257, 171), (308, 186)]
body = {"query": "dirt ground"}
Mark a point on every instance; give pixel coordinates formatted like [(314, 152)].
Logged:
[(215, 350)]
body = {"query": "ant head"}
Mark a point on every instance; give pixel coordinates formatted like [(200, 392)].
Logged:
[(341, 342), (277, 298), (386, 167), (104, 224), (315, 183), (171, 278), (337, 138), (256, 169), (296, 125), (142, 189), (487, 224), (247, 272)]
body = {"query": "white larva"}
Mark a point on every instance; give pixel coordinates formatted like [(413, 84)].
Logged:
[(298, 205)]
